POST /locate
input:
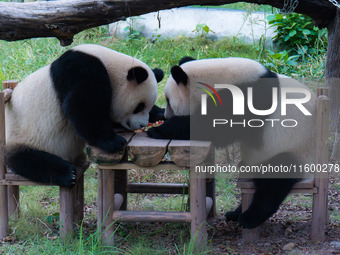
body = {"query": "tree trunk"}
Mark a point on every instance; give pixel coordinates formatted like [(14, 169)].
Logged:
[(332, 74), (63, 19)]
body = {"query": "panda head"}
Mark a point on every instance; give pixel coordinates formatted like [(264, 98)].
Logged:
[(133, 101), (133, 84), (177, 91), (181, 90)]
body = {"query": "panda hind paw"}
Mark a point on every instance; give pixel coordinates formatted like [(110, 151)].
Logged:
[(68, 179), (249, 221), (232, 216)]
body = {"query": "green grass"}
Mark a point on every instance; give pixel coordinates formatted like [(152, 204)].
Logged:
[(35, 230), (241, 6)]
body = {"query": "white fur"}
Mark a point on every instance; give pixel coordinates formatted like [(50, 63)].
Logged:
[(299, 140), (210, 71), (34, 116)]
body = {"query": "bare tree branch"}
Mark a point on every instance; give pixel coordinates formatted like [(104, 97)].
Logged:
[(63, 19)]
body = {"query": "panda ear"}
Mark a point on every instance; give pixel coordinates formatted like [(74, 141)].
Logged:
[(159, 74), (179, 75), (185, 59), (139, 74)]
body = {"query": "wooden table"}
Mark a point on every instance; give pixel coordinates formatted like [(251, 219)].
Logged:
[(143, 152)]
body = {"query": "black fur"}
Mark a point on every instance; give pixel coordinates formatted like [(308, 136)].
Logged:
[(179, 75), (85, 93), (270, 192), (40, 166), (137, 73), (159, 74), (156, 114), (177, 127), (268, 196), (185, 59)]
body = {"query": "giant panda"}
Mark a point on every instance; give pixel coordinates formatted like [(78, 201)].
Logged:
[(77, 99), (271, 144)]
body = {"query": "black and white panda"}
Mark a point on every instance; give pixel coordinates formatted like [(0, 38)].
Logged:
[(75, 100), (271, 144)]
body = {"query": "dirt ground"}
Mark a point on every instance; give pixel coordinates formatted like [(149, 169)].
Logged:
[(287, 232)]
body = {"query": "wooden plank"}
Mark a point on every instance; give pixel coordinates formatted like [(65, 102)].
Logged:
[(3, 189), (189, 153), (2, 136), (320, 199), (198, 209), (108, 206), (100, 217), (78, 212), (66, 200), (158, 188), (248, 234), (98, 156), (9, 84), (130, 165), (3, 212), (145, 151), (248, 184), (13, 194), (140, 216)]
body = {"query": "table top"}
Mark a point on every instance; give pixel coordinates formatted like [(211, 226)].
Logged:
[(147, 152)]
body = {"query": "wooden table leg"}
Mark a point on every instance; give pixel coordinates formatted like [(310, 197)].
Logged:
[(79, 201), (3, 211), (67, 208), (13, 199), (198, 209), (248, 234), (108, 180)]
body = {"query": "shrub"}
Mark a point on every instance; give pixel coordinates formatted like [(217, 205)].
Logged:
[(296, 33)]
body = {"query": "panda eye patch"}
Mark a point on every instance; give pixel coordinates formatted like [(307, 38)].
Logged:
[(140, 107)]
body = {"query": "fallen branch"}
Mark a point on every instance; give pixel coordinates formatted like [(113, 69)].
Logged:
[(63, 19)]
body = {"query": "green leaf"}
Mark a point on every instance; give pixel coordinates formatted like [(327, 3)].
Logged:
[(271, 17), (292, 33), (206, 29)]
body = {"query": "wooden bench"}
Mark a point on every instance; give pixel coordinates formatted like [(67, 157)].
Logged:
[(71, 200), (318, 186), (143, 152)]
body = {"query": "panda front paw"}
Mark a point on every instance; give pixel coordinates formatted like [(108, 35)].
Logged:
[(113, 145), (155, 133), (68, 178)]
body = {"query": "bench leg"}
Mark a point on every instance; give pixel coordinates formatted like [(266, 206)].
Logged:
[(106, 190), (320, 212), (3, 212), (248, 234), (13, 200), (67, 210), (198, 209)]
